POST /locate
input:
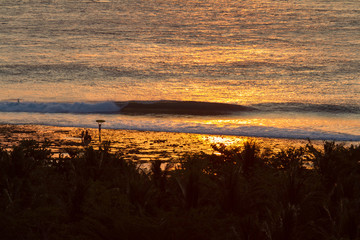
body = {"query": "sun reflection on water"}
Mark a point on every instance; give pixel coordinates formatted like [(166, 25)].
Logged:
[(226, 140)]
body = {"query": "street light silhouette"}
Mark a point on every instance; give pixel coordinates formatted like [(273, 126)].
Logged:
[(100, 122)]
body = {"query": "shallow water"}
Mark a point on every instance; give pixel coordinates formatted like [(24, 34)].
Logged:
[(139, 146)]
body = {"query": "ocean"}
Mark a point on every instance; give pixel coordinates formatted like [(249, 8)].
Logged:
[(258, 68)]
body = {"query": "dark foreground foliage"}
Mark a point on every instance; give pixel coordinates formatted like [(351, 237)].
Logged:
[(242, 193)]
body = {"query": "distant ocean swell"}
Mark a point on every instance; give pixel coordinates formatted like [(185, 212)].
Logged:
[(171, 107)]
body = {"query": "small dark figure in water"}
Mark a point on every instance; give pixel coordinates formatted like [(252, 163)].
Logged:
[(86, 137)]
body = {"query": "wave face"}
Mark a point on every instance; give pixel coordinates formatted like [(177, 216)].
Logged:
[(181, 108), (212, 108), (54, 107)]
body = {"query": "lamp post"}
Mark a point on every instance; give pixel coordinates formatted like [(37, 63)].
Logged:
[(99, 123)]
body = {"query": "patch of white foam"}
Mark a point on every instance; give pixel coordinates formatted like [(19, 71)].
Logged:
[(59, 107)]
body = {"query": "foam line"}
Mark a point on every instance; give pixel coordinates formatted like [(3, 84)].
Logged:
[(55, 107)]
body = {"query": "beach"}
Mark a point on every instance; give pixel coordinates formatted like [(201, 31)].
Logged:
[(140, 146)]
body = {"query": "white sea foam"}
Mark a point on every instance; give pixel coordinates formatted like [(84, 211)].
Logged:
[(56, 107)]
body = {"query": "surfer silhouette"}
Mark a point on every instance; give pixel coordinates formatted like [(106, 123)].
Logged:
[(86, 137)]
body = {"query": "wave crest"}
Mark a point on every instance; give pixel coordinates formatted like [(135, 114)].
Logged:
[(56, 107)]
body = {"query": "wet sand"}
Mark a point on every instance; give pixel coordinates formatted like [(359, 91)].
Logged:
[(139, 146)]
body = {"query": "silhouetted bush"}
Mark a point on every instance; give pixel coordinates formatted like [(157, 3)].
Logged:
[(239, 192)]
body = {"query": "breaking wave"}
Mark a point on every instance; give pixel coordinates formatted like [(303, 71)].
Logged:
[(130, 107), (149, 116), (56, 107), (172, 107)]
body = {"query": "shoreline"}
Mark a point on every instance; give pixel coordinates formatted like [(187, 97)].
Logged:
[(135, 145)]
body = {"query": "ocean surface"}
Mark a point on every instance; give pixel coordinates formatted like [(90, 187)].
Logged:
[(260, 68)]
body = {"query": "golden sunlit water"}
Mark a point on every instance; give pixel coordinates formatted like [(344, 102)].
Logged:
[(295, 62)]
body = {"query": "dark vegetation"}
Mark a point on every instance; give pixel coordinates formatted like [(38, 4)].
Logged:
[(242, 193)]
